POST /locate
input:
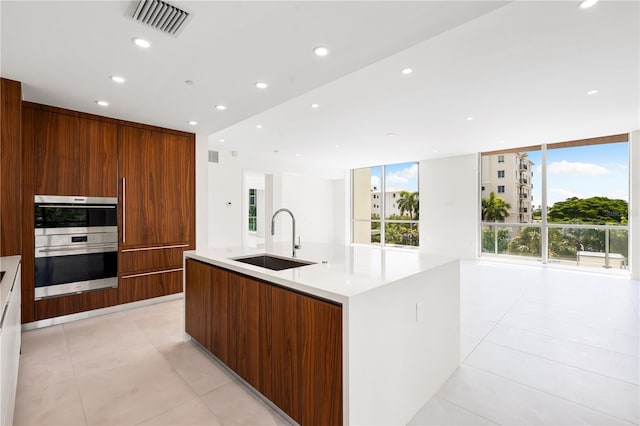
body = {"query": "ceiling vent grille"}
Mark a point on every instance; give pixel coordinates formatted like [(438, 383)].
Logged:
[(161, 16)]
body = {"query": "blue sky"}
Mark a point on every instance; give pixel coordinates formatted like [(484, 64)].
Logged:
[(398, 177), (586, 171)]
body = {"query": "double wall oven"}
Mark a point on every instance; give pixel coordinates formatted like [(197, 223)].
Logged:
[(76, 244)]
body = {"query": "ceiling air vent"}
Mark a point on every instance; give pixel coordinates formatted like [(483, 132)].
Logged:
[(161, 16)]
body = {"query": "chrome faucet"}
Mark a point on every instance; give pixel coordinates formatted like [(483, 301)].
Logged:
[(294, 246)]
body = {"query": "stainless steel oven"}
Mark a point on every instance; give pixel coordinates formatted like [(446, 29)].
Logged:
[(76, 244)]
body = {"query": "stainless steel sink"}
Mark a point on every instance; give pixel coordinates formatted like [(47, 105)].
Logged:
[(272, 262)]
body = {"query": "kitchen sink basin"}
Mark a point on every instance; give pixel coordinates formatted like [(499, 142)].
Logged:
[(272, 262)]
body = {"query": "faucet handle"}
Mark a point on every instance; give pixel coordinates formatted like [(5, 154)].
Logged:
[(299, 245)]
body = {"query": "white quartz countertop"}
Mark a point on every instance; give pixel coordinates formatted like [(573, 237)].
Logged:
[(8, 264), (340, 272)]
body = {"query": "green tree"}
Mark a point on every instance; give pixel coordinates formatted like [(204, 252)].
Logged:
[(527, 242), (494, 209), (409, 202), (599, 210)]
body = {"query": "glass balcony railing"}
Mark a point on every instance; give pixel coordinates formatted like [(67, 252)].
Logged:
[(588, 246), (605, 246)]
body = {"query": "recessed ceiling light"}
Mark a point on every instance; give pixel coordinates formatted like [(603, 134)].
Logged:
[(592, 92), (103, 103), (469, 118), (189, 82), (297, 155), (587, 3), (258, 126), (221, 140), (391, 134), (193, 123), (116, 79), (435, 150), (314, 105), (140, 42), (406, 71), (337, 146), (221, 107), (261, 85), (320, 51)]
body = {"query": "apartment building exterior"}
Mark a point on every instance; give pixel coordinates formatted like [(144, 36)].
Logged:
[(509, 176), (391, 198)]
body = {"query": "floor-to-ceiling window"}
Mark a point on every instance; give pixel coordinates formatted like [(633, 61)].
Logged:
[(563, 203), (386, 205)]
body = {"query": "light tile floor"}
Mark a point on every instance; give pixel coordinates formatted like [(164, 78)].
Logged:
[(538, 347)]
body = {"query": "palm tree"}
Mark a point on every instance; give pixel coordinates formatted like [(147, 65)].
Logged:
[(409, 202), (494, 209)]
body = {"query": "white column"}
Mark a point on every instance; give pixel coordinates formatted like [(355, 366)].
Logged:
[(634, 203), (202, 191)]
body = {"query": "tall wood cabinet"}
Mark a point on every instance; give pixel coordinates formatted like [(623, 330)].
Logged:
[(157, 205), (11, 166), (75, 155), (152, 172), (286, 344)]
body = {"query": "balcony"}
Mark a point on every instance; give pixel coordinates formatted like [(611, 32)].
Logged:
[(523, 195), (523, 166), (584, 246)]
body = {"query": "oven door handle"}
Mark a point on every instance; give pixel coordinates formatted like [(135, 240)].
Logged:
[(76, 206), (76, 250)]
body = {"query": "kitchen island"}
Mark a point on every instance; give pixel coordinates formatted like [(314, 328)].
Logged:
[(378, 329)]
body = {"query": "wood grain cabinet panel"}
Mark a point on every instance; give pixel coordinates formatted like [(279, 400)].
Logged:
[(152, 259), (146, 286), (157, 171), (75, 155), (65, 305), (11, 167), (285, 344), (244, 315), (220, 315), (198, 302)]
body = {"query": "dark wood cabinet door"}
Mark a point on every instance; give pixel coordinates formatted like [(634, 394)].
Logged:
[(305, 366), (134, 287), (243, 327), (157, 171), (283, 374), (220, 322), (75, 155), (198, 302), (11, 167), (319, 334)]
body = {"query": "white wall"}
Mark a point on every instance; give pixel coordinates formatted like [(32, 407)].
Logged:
[(449, 206), (634, 204), (306, 190), (202, 196)]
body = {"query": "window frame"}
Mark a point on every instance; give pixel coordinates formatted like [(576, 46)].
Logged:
[(382, 205)]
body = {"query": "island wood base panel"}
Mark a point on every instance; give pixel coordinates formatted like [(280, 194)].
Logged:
[(285, 344)]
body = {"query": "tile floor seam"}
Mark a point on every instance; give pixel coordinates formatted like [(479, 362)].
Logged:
[(576, 323), (551, 394), (569, 340), (466, 409), (75, 377), (609, 330), (168, 410), (562, 363)]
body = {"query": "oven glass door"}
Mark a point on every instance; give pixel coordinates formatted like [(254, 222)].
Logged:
[(74, 216), (58, 275)]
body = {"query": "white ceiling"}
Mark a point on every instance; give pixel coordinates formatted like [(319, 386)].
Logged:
[(521, 70)]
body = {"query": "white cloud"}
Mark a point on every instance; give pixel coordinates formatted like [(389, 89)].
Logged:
[(576, 168), (375, 182), (402, 176), (561, 193)]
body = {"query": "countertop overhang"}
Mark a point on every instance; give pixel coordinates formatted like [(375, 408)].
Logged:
[(339, 272)]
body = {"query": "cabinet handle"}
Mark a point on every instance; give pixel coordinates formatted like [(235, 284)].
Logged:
[(124, 210)]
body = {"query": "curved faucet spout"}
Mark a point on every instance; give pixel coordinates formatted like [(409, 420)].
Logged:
[(294, 246)]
